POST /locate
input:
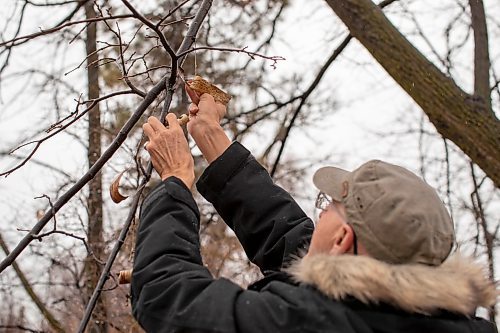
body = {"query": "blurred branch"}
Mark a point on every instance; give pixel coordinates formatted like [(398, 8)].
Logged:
[(117, 141), (23, 39), (267, 41), (488, 237), (53, 322), (49, 4), (314, 84), (422, 35), (9, 49), (170, 12), (305, 96), (22, 328), (153, 27), (448, 177), (40, 163), (77, 115)]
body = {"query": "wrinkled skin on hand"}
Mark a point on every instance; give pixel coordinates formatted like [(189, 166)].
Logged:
[(169, 150), (204, 125)]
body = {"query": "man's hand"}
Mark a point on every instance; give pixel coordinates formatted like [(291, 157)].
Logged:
[(204, 125), (203, 112), (169, 149)]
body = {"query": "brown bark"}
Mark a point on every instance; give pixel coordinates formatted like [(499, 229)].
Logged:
[(457, 116), (92, 269), (51, 320)]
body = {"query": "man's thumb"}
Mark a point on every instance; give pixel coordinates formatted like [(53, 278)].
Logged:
[(192, 94), (207, 98)]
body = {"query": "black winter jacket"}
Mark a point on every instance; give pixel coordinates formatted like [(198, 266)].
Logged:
[(173, 292)]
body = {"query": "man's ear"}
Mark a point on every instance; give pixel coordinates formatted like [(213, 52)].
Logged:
[(342, 240)]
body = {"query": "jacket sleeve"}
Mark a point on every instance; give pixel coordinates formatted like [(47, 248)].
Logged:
[(171, 289), (268, 222)]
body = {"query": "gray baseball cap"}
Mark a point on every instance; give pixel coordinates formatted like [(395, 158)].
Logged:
[(396, 215)]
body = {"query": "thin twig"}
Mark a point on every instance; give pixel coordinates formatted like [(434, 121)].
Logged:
[(150, 24), (170, 12), (19, 40), (251, 54)]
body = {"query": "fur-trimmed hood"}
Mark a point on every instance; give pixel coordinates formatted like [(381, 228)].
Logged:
[(458, 285)]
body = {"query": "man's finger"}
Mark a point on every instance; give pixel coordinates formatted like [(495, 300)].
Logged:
[(193, 109), (148, 130), (155, 124), (172, 121), (192, 94)]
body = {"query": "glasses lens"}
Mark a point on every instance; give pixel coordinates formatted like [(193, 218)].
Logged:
[(322, 201)]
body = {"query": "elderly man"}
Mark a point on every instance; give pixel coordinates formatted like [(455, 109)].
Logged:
[(375, 259)]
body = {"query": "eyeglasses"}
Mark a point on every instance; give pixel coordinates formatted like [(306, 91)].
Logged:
[(322, 201)]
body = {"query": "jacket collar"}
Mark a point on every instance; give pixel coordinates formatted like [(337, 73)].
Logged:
[(458, 285), (272, 276)]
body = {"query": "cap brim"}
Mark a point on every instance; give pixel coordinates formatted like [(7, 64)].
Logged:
[(330, 181)]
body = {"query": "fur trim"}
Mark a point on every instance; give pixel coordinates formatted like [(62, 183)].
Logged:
[(458, 285)]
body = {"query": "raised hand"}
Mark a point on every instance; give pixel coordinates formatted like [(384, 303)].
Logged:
[(204, 125), (169, 150), (203, 112)]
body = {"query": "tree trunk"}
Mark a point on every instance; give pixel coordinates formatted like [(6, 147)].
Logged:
[(481, 52), (92, 269), (466, 120)]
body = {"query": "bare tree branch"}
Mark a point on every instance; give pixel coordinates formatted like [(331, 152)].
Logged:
[(23, 39), (9, 49), (77, 115), (252, 55), (153, 27), (118, 140), (311, 88)]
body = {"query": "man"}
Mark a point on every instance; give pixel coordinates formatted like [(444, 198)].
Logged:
[(374, 261)]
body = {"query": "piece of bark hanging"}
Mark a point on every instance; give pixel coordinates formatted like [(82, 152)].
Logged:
[(202, 86), (114, 189)]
